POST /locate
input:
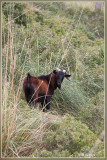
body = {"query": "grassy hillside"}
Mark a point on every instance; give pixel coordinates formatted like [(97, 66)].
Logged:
[(37, 38)]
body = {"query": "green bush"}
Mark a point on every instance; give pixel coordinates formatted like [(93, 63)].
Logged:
[(71, 135)]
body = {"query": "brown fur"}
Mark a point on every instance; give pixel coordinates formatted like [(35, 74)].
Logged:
[(41, 85)]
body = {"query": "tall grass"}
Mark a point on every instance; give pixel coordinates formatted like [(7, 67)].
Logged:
[(20, 125)]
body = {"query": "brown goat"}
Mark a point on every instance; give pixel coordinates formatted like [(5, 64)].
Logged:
[(41, 89)]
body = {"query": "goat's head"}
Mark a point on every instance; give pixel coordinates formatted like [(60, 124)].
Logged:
[(60, 76)]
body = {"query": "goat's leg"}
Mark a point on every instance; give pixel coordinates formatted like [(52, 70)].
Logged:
[(43, 105), (46, 103), (48, 99), (35, 100)]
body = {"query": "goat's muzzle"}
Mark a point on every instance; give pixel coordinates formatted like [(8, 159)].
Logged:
[(59, 85)]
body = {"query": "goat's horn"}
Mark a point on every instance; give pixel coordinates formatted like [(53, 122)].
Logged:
[(58, 69), (64, 71)]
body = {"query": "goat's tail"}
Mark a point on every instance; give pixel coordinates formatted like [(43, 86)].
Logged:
[(29, 90), (28, 77)]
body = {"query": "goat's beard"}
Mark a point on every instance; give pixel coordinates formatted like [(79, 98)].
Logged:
[(59, 86)]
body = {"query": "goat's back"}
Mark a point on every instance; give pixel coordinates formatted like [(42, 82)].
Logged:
[(39, 85)]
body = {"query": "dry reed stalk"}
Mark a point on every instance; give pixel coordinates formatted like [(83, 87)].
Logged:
[(67, 65), (6, 64), (7, 140), (66, 50), (50, 60), (13, 70), (19, 90), (7, 54), (4, 87), (12, 21), (3, 28), (38, 53), (13, 153), (4, 50), (76, 68), (28, 42), (11, 52), (46, 65), (14, 62), (20, 56), (10, 127), (5, 99)]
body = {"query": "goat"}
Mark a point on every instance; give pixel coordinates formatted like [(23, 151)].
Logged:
[(40, 89)]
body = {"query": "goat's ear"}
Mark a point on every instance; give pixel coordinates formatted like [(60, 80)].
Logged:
[(67, 75), (54, 71)]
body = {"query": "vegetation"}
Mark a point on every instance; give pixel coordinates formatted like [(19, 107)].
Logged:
[(38, 37)]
